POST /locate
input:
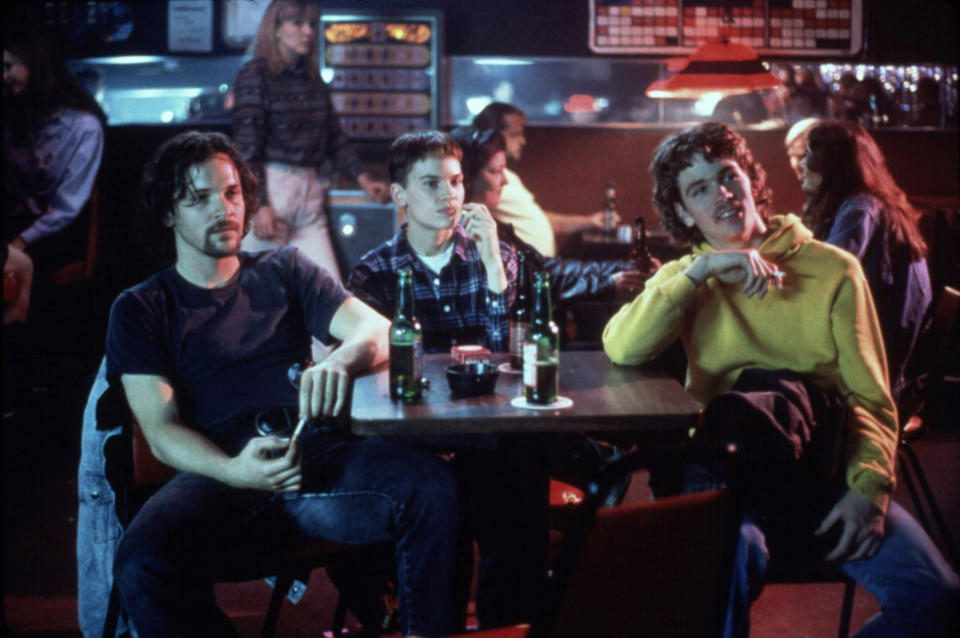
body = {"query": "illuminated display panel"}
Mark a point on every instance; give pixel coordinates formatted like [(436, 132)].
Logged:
[(382, 72), (777, 27)]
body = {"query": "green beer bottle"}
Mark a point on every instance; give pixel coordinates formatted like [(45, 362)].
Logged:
[(520, 314), (406, 343), (541, 346)]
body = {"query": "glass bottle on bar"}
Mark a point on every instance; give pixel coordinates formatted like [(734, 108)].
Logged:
[(640, 256), (541, 346), (609, 210), (406, 343), (520, 314)]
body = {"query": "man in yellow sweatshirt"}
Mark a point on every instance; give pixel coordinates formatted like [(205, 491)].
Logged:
[(759, 299)]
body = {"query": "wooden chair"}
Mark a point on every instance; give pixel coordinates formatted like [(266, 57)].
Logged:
[(145, 474), (660, 568), (82, 268)]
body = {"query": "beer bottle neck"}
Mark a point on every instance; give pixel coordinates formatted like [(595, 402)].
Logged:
[(542, 311), (404, 308), (522, 284)]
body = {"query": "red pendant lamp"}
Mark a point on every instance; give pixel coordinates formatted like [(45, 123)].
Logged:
[(719, 66)]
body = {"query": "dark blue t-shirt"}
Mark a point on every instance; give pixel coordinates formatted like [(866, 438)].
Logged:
[(225, 351)]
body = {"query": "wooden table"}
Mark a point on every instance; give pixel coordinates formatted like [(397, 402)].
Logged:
[(606, 398)]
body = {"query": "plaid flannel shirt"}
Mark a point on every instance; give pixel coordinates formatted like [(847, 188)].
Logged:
[(454, 306)]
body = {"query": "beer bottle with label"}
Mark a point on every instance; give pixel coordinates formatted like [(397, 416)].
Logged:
[(406, 343), (541, 346), (520, 315)]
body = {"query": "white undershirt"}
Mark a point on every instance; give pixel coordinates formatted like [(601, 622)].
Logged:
[(438, 261)]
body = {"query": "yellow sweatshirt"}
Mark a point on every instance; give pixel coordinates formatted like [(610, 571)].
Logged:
[(821, 325)]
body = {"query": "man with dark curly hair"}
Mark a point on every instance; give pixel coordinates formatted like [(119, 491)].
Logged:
[(206, 347), (784, 350)]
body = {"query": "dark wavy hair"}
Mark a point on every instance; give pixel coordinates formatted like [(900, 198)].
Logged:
[(409, 148), (714, 141), (52, 86), (849, 162), (478, 146), (492, 115), (166, 180)]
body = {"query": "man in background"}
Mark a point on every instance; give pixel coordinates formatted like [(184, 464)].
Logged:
[(517, 204)]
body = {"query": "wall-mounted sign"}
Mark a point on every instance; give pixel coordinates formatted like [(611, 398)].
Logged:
[(190, 25), (241, 19), (772, 27)]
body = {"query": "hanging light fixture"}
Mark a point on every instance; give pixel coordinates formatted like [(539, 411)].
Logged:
[(718, 67)]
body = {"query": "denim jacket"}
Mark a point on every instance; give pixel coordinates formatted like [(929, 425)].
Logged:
[(899, 284), (98, 526)]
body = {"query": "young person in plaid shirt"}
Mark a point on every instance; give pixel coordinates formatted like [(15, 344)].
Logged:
[(464, 284), (464, 277)]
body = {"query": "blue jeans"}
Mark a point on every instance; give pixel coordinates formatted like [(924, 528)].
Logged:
[(504, 487), (195, 531), (918, 592)]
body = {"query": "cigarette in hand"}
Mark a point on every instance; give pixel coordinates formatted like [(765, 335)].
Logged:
[(296, 432)]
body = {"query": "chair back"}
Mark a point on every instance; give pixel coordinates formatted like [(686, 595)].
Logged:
[(86, 234), (660, 568), (945, 322), (147, 469), (945, 359)]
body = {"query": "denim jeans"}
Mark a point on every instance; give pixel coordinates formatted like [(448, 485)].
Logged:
[(504, 487), (195, 531), (918, 592)]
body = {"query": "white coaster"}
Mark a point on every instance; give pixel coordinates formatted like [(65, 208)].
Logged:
[(506, 368), (559, 404)]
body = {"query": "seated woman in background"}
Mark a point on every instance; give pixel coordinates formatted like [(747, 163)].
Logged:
[(53, 142), (854, 203), (484, 160)]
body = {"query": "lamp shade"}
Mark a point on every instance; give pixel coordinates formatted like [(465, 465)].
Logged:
[(720, 66)]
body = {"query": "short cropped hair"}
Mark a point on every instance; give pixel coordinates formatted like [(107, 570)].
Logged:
[(714, 141), (478, 146), (491, 117), (166, 180), (410, 148)]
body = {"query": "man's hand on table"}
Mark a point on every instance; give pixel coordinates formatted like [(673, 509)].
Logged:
[(324, 388)]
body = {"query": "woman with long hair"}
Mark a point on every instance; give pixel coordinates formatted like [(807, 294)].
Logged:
[(53, 142), (286, 128), (854, 203)]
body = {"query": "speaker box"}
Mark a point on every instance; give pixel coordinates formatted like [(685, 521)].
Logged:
[(358, 224)]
